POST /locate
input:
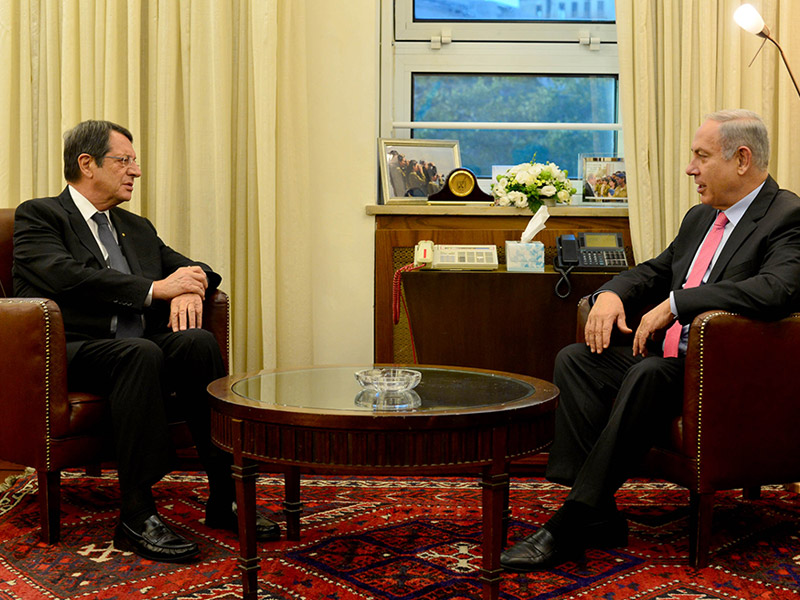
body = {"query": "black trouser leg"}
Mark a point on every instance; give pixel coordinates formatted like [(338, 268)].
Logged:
[(612, 408), (192, 360), (137, 375), (129, 372)]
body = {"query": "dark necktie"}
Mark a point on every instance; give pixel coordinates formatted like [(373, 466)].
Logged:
[(128, 325)]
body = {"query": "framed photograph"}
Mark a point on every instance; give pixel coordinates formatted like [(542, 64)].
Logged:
[(604, 179), (412, 170)]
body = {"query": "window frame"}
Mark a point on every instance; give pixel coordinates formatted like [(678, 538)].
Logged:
[(527, 48), (406, 29)]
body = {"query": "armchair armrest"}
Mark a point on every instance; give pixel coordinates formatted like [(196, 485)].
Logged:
[(216, 319), (33, 372), (740, 398), (583, 314)]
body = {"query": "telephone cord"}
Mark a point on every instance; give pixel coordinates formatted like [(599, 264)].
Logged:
[(563, 279), (397, 298)]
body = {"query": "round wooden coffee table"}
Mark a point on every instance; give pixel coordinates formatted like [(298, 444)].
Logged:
[(467, 421)]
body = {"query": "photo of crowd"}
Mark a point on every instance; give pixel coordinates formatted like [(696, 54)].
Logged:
[(414, 169), (412, 177), (604, 180)]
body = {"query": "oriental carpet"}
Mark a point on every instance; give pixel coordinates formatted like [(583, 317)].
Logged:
[(396, 539)]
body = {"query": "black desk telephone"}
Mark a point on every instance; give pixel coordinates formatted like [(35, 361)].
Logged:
[(591, 251)]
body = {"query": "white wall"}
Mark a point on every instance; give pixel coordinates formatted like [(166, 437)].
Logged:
[(343, 42)]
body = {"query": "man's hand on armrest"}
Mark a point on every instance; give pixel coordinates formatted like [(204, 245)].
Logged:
[(186, 280), (607, 311)]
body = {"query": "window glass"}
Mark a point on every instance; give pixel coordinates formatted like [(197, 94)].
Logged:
[(518, 98), (514, 10)]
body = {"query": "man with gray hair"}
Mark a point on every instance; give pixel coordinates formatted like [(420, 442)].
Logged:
[(739, 250), (132, 309)]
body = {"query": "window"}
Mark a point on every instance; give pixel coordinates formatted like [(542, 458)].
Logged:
[(513, 10), (517, 98), (509, 79)]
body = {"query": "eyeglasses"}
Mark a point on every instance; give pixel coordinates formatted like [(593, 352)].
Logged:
[(126, 161)]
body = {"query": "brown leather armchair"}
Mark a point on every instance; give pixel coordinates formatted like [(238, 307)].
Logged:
[(738, 428), (44, 425)]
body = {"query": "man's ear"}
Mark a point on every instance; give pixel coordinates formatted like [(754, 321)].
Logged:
[(86, 164), (744, 159)]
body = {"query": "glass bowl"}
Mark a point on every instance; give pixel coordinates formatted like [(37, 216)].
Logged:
[(391, 380), (388, 401)]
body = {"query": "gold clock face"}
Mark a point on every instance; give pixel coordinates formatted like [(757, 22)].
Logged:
[(461, 183)]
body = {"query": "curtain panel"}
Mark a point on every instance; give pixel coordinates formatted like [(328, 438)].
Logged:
[(215, 95), (680, 60)]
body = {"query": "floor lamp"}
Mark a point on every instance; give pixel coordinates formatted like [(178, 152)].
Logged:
[(749, 19)]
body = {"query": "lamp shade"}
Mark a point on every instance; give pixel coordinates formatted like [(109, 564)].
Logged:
[(748, 18)]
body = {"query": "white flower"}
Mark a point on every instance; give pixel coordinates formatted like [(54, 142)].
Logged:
[(525, 177), (517, 199), (526, 181), (548, 190), (534, 169), (555, 172)]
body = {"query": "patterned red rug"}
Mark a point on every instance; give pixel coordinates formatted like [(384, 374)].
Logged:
[(397, 539)]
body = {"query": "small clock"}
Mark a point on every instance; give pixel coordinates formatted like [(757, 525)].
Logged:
[(460, 187), (461, 182)]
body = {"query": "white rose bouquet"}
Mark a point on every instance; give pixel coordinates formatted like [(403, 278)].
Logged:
[(530, 184)]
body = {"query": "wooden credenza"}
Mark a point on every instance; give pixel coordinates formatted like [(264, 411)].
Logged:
[(494, 319), (399, 227)]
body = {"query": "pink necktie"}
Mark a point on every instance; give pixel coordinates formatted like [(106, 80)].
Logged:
[(673, 336)]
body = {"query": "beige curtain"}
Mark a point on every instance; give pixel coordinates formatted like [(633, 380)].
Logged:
[(680, 60), (214, 93)]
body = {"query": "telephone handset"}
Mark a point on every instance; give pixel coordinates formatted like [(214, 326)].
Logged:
[(567, 251), (423, 253)]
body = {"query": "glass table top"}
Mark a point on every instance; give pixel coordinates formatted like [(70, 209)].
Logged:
[(336, 388)]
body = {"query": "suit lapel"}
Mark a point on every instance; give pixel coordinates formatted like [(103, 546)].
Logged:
[(79, 226), (744, 228)]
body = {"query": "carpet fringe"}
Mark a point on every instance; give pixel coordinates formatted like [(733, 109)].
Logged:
[(12, 479)]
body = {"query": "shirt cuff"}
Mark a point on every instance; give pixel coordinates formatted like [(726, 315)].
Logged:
[(149, 300), (672, 308)]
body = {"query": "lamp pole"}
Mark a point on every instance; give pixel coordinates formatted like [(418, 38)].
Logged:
[(749, 19), (785, 62)]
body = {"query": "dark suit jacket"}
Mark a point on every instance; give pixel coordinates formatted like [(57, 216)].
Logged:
[(56, 256), (588, 192), (756, 275)]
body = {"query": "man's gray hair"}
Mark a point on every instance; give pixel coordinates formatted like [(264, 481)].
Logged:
[(88, 137), (741, 127)]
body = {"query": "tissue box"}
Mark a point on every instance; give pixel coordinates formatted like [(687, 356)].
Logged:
[(525, 257)]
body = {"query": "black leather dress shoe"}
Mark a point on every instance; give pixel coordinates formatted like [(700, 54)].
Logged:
[(537, 551), (154, 541), (266, 530)]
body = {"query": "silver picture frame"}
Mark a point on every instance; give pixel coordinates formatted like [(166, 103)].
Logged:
[(413, 169)]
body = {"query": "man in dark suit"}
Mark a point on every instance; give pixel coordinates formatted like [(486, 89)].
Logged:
[(588, 187), (739, 250), (132, 310)]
